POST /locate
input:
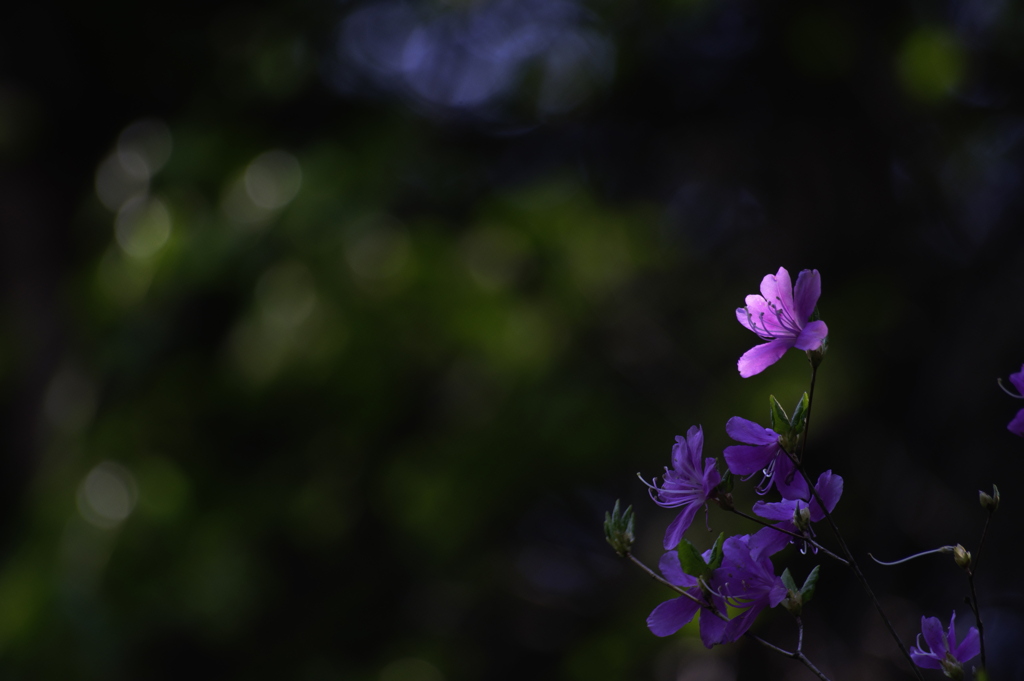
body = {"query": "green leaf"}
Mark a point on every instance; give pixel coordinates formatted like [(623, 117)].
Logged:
[(780, 421), (717, 555), (800, 415), (787, 579), (691, 561), (807, 592)]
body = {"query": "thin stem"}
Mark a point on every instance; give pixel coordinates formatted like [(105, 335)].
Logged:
[(795, 535), (810, 404), (659, 578), (857, 572), (797, 654), (974, 593), (798, 461), (941, 549)]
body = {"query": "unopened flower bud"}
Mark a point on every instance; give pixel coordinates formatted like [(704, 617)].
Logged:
[(989, 502), (619, 529), (962, 556)]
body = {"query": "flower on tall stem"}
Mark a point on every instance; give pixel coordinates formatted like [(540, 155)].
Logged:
[(687, 485), (781, 315), (943, 652), (796, 516), (763, 452)]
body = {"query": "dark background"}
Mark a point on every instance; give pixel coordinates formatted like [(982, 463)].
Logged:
[(354, 409)]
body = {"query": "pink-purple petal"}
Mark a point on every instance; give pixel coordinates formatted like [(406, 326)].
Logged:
[(923, 659), (739, 624), (777, 510), (671, 616), (1016, 426), (970, 647), (747, 459), (806, 294), (788, 480), (830, 488), (673, 570), (767, 541), (811, 336), (931, 629), (675, 531), (1018, 380), (778, 289), (712, 627), (744, 430), (760, 357), (712, 478), (695, 441), (760, 317)]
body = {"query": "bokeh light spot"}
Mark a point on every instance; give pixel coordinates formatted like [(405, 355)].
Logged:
[(142, 227), (930, 64), (273, 179), (107, 495)]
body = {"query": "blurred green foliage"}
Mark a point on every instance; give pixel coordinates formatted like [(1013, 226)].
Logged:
[(312, 372)]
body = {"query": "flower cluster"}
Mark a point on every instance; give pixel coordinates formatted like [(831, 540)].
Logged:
[(729, 585)]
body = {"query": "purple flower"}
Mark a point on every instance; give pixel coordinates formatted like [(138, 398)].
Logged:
[(762, 452), (742, 582), (673, 615), (747, 582), (1016, 426), (780, 315), (769, 541), (943, 651), (687, 485)]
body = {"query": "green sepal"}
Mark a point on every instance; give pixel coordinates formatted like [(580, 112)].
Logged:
[(800, 415), (728, 482), (717, 554), (807, 590), (691, 561), (780, 420), (787, 579)]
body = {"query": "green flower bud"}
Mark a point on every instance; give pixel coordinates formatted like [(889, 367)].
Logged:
[(961, 556), (618, 529), (989, 502)]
